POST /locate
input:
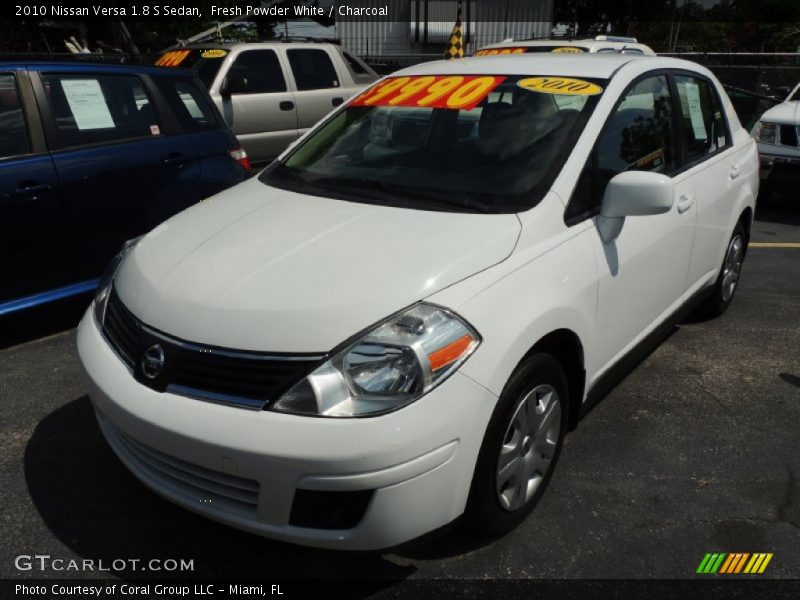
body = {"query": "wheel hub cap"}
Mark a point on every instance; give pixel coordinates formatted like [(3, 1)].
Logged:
[(528, 448), (732, 267)]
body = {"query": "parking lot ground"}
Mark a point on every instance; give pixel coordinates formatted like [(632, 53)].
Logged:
[(695, 451)]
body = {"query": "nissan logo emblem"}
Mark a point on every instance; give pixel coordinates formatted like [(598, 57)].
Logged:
[(153, 361)]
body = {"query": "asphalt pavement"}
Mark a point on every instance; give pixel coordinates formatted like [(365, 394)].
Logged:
[(695, 451)]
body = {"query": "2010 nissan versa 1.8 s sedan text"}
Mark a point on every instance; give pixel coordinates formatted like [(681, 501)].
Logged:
[(397, 322)]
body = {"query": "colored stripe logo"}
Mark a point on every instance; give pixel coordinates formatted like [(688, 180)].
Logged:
[(731, 563)]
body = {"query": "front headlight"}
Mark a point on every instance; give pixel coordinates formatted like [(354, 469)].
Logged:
[(104, 286), (766, 133), (392, 365)]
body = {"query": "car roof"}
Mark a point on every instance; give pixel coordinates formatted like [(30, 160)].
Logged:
[(95, 67), (601, 66), (587, 43)]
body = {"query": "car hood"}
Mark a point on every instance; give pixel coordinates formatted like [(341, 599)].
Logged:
[(785, 113), (257, 268)]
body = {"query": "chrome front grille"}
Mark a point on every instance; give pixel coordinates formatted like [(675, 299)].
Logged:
[(241, 378), (122, 331), (193, 483), (789, 135)]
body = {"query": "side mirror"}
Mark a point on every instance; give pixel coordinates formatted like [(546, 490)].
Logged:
[(234, 83), (633, 194)]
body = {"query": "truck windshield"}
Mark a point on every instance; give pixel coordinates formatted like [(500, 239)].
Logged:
[(464, 143), (203, 61)]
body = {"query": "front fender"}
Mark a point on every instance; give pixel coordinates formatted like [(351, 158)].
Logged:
[(555, 290)]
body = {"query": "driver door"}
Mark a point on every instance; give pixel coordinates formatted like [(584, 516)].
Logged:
[(643, 272)]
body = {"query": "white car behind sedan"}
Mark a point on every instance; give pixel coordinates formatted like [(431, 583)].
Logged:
[(398, 321)]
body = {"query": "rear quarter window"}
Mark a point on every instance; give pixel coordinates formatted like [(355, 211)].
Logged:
[(190, 102), (359, 70)]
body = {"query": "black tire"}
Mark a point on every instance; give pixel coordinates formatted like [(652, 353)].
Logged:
[(484, 512), (721, 298)]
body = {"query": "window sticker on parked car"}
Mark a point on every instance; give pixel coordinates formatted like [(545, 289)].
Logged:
[(696, 111), (173, 58), (214, 53), (87, 103), (560, 85), (568, 50), (454, 91), (496, 51)]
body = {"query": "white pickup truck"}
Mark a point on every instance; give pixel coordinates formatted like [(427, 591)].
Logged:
[(270, 93), (778, 135)]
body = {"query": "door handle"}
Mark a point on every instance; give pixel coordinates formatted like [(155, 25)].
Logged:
[(735, 171), (286, 105), (685, 202), (175, 160), (31, 189), (337, 101)]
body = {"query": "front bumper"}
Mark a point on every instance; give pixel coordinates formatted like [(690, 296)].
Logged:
[(242, 467), (779, 170)]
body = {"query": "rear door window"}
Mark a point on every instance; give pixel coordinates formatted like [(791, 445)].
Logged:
[(189, 102), (703, 123), (14, 138), (312, 69), (261, 70), (99, 109)]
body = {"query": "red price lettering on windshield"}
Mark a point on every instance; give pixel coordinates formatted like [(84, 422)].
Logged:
[(433, 91)]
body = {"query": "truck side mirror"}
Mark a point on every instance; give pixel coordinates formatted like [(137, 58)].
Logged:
[(234, 83)]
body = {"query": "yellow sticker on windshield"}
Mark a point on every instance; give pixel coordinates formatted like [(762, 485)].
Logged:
[(214, 53), (560, 85), (568, 50)]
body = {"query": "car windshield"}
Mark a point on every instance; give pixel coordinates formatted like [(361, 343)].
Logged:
[(466, 143), (503, 50)]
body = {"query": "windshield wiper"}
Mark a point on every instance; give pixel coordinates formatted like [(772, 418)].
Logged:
[(378, 188), (464, 202), (401, 192)]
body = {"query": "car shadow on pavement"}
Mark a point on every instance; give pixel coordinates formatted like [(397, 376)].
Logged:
[(781, 208), (98, 510)]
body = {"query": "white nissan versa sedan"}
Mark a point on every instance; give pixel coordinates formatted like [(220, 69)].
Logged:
[(397, 322)]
